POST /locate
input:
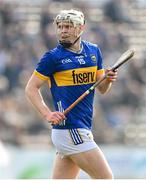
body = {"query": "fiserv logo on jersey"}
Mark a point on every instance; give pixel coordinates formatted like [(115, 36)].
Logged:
[(75, 77), (86, 77)]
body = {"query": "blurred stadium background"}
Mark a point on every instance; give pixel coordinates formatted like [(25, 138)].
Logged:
[(26, 32)]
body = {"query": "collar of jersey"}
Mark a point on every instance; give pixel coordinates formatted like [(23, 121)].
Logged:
[(75, 52)]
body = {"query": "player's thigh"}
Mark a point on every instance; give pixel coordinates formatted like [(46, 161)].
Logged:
[(64, 168), (94, 163)]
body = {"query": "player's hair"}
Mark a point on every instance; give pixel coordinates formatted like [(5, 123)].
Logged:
[(74, 16)]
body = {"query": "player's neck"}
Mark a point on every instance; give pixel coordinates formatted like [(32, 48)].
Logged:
[(76, 47)]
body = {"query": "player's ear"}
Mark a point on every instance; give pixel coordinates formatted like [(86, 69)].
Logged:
[(82, 27)]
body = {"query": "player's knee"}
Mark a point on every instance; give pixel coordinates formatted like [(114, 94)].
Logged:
[(110, 175), (102, 175), (107, 175)]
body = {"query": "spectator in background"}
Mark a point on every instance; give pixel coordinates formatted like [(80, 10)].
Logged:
[(6, 14), (46, 30), (114, 11)]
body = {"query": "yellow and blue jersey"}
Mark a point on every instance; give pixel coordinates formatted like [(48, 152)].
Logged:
[(69, 75)]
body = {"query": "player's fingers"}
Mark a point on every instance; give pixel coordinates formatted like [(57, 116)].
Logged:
[(111, 76), (55, 121), (61, 115), (112, 73), (116, 70), (109, 71), (58, 117)]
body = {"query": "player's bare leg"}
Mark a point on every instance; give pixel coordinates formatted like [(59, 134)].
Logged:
[(64, 168), (94, 163)]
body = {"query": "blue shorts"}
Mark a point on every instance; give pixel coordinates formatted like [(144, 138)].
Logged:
[(72, 141)]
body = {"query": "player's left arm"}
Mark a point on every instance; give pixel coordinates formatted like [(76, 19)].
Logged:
[(111, 77)]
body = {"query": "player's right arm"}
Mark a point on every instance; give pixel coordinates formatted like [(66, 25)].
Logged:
[(33, 94)]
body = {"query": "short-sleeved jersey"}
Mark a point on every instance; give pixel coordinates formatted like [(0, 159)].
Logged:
[(69, 75)]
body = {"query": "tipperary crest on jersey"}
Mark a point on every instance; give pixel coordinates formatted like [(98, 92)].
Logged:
[(93, 57)]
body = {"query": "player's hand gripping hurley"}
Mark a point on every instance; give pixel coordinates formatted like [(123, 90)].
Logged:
[(123, 58)]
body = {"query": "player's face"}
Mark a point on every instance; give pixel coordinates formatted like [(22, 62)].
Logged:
[(67, 32)]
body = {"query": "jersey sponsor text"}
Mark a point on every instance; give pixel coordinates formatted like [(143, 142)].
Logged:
[(86, 77)]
